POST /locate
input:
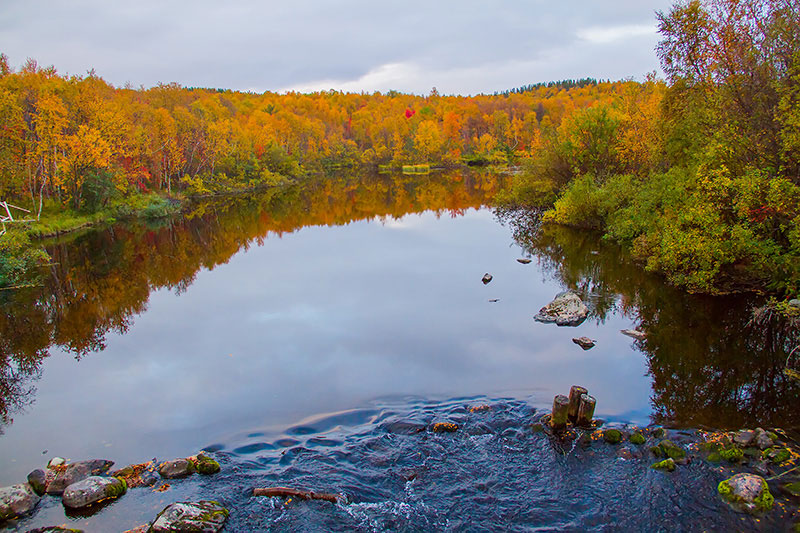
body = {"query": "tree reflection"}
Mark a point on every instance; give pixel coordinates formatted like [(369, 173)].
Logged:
[(101, 280), (711, 365)]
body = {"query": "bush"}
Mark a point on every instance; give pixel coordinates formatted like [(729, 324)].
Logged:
[(19, 259)]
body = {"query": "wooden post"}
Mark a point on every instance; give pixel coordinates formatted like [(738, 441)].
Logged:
[(575, 400), (558, 420), (586, 410)]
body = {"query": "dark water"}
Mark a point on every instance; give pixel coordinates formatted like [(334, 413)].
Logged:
[(303, 336)]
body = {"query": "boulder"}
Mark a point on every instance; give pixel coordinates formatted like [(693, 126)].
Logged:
[(584, 342), (203, 516), (612, 436), (744, 437), (17, 500), (763, 440), (566, 309), (38, 481), (746, 492), (637, 438), (75, 472), (176, 468), (92, 490)]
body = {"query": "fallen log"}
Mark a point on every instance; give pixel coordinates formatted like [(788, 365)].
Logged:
[(286, 492)]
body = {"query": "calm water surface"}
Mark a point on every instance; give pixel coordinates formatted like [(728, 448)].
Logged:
[(288, 330)]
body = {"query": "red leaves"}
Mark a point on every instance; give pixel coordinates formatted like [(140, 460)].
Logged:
[(410, 112)]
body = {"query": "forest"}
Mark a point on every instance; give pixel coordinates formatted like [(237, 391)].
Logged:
[(698, 174)]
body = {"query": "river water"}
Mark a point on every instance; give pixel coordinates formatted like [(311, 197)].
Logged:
[(304, 335)]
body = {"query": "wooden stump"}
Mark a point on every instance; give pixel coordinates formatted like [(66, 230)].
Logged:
[(586, 410), (575, 400), (558, 419)]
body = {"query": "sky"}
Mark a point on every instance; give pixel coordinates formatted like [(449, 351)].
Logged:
[(464, 47)]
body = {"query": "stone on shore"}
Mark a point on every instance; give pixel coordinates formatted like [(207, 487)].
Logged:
[(566, 309), (203, 516), (92, 490), (75, 472), (17, 500), (746, 492)]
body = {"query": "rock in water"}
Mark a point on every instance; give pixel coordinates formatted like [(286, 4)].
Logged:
[(524, 261), (566, 309), (75, 472), (92, 490), (176, 468), (746, 492), (486, 278), (38, 481), (203, 516), (634, 333), (17, 500), (584, 342)]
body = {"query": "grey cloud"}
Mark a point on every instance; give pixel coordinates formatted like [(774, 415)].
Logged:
[(273, 45)]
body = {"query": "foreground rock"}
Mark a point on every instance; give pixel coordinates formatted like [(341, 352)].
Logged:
[(746, 492), (186, 467), (17, 500), (38, 481), (74, 472), (584, 342), (566, 309), (91, 490), (203, 516)]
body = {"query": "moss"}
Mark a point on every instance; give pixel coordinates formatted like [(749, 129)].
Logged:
[(117, 489), (792, 489), (752, 452), (714, 457), (655, 450), (667, 464), (637, 438), (731, 454), (772, 435), (537, 428), (612, 436)]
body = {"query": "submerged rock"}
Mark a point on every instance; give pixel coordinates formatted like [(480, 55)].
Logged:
[(486, 278), (17, 500), (566, 309), (92, 490), (746, 492), (75, 472), (584, 342), (612, 436), (667, 464), (203, 516), (634, 333)]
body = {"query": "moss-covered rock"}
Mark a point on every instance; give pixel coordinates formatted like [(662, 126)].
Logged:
[(667, 464), (791, 489), (176, 468), (660, 433), (91, 490), (205, 465), (637, 438), (746, 492), (714, 457), (732, 454), (777, 455), (612, 436), (671, 450), (206, 516), (38, 481)]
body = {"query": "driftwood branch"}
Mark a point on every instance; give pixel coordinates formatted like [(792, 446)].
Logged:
[(286, 492)]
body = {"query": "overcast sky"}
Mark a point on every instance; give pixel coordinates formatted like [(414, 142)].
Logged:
[(461, 47)]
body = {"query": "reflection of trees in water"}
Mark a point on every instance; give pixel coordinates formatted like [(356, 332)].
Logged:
[(710, 364), (100, 280)]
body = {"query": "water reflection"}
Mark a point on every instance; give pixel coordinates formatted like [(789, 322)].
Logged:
[(710, 364)]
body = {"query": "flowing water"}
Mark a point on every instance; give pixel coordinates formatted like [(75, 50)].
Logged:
[(309, 336)]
